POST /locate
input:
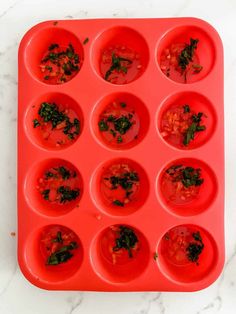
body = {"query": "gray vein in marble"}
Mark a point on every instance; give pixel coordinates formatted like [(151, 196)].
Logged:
[(75, 303), (212, 304), (78, 14), (218, 299), (9, 78), (156, 299), (4, 289), (9, 8)]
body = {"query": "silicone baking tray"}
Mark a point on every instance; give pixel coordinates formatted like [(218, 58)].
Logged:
[(151, 92)]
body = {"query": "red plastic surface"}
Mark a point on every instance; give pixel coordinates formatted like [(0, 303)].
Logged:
[(150, 214)]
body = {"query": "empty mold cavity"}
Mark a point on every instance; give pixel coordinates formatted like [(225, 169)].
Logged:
[(54, 121), (54, 55), (120, 187), (120, 55), (53, 187), (53, 253), (187, 254), (175, 57), (187, 186), (120, 265), (120, 121), (186, 120)]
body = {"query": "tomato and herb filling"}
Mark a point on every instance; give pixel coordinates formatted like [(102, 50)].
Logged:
[(180, 125), (120, 64), (120, 244), (60, 64), (182, 246), (181, 184), (58, 125), (120, 184), (58, 245), (180, 61), (59, 185), (118, 123)]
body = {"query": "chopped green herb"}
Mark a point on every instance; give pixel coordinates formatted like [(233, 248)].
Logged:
[(127, 240), (49, 174), (113, 132), (126, 180), (67, 194), (64, 172), (118, 203), (155, 256), (122, 124), (189, 176), (86, 41), (193, 128), (119, 139), (58, 238), (36, 123), (62, 255), (123, 104), (186, 108), (49, 112), (103, 126), (194, 249), (186, 55), (117, 65), (197, 68), (46, 77), (53, 46), (45, 194)]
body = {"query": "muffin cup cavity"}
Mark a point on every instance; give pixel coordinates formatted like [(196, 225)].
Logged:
[(44, 56), (120, 187), (187, 187), (120, 121), (187, 254), (118, 265), (53, 187), (177, 62), (57, 108), (120, 55), (37, 255)]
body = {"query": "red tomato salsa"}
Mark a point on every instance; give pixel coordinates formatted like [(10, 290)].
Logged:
[(181, 184), (60, 64), (180, 61), (59, 185), (120, 64), (182, 246), (58, 245), (120, 244), (58, 125), (120, 184), (180, 125), (118, 124)]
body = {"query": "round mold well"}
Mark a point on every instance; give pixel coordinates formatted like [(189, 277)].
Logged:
[(118, 105), (173, 250), (36, 256), (175, 104), (105, 197), (38, 45), (181, 35), (175, 198), (45, 136), (35, 183), (123, 268), (123, 42)]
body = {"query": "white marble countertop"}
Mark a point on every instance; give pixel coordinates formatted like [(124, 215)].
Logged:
[(17, 296)]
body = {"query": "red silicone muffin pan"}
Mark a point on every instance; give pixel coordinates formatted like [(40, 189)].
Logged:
[(121, 155)]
